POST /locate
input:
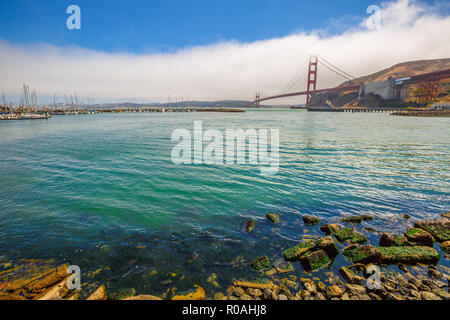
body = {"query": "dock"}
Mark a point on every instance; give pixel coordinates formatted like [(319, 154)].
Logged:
[(355, 110), (24, 116)]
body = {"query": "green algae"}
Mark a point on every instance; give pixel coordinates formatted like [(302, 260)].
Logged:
[(274, 218), (357, 219), (315, 260), (439, 229), (408, 255), (294, 253), (364, 254), (348, 234), (328, 245), (250, 225), (261, 263), (310, 220), (329, 228)]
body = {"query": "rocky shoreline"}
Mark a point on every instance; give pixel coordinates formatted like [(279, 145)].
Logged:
[(427, 113), (421, 277)]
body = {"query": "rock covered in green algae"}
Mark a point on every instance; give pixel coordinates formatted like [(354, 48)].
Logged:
[(310, 220), (315, 260), (274, 218), (440, 229), (329, 228), (408, 255), (389, 240), (419, 237), (362, 254), (370, 229), (445, 247), (250, 225), (261, 263), (348, 234), (391, 255), (328, 245), (357, 219), (294, 253)]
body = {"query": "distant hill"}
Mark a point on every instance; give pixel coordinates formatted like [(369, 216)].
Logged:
[(403, 70), (195, 104)]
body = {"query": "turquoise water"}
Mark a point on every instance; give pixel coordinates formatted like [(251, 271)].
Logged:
[(101, 190)]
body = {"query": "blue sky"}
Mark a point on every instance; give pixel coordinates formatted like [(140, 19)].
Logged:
[(165, 25)]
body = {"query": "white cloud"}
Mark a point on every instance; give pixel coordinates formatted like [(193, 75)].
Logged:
[(227, 70)]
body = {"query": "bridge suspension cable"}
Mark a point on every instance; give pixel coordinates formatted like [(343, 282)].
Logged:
[(335, 69), (300, 73)]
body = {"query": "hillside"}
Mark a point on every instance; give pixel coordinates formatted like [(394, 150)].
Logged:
[(403, 70)]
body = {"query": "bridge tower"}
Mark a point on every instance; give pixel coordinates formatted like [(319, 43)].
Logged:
[(312, 78), (257, 100)]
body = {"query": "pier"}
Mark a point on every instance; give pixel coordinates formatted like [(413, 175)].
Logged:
[(10, 116), (354, 110)]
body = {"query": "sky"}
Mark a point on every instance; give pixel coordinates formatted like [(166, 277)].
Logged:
[(150, 50)]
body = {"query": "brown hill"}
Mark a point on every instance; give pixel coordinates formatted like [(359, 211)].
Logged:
[(403, 70)]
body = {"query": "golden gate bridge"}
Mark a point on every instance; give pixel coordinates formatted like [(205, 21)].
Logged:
[(428, 83)]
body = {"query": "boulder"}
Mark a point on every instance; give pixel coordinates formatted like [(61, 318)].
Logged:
[(408, 255), (350, 235), (445, 247), (51, 278), (294, 253), (37, 285), (356, 289), (440, 229), (357, 219), (309, 285), (99, 294), (419, 237), (198, 294), (333, 292), (362, 254), (329, 228), (350, 277), (428, 296), (319, 296), (245, 284), (254, 292), (315, 260), (434, 273), (274, 218), (390, 240), (328, 245), (443, 294), (261, 263), (310, 220), (250, 225), (57, 292)]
